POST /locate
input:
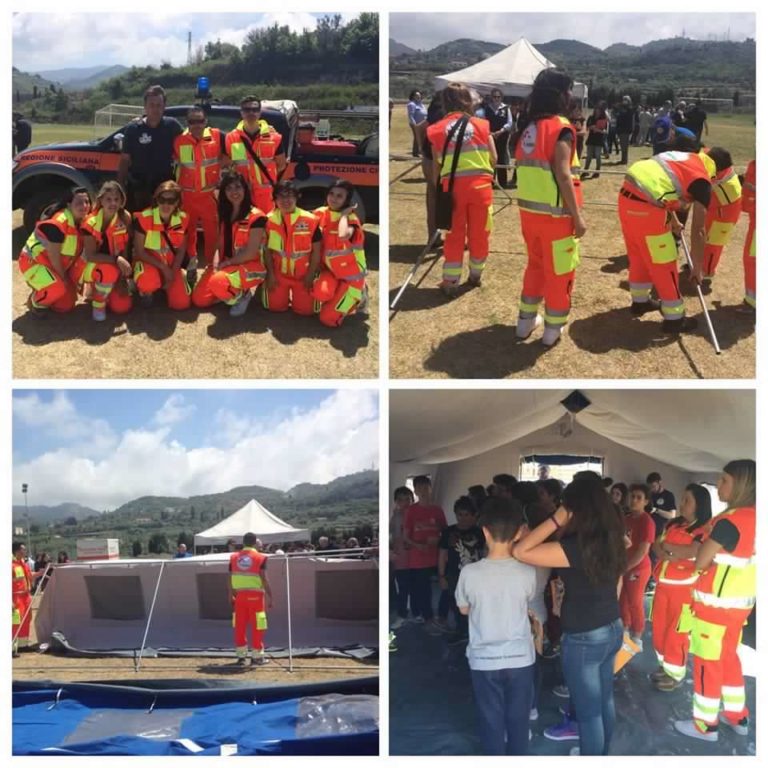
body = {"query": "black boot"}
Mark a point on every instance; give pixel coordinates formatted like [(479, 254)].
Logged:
[(683, 325), (638, 308)]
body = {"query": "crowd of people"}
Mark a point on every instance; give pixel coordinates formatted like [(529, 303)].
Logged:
[(533, 571), (465, 146), (140, 234)]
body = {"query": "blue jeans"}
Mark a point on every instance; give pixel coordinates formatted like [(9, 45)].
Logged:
[(503, 700), (588, 659)]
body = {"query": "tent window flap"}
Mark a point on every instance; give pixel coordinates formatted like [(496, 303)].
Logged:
[(342, 595), (119, 598), (212, 600)]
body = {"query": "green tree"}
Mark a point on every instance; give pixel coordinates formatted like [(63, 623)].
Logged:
[(186, 538), (158, 543), (136, 548)]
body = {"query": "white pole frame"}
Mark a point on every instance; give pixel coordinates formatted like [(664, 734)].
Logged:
[(137, 661)]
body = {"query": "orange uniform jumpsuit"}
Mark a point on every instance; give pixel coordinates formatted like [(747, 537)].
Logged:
[(472, 194), (111, 237), (547, 224), (289, 244), (245, 572), (229, 283), (722, 214), (266, 146), (671, 610), (341, 283), (49, 290), (652, 189), (723, 598), (198, 169), (21, 594), (162, 240), (749, 206)]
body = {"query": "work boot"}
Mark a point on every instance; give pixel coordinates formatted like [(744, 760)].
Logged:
[(742, 727), (683, 325), (241, 662), (667, 683), (551, 336), (449, 290), (688, 728), (526, 326), (238, 308), (640, 308), (706, 286), (259, 661)]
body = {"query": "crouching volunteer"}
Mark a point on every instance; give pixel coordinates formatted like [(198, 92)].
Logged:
[(653, 192), (294, 242), (238, 265), (107, 232), (723, 599), (160, 244), (251, 597), (464, 142), (550, 201), (341, 284), (48, 261)]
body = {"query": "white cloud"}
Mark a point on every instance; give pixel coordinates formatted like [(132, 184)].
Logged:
[(174, 410), (336, 437)]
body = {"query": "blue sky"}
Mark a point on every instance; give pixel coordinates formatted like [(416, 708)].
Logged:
[(425, 31), (104, 447), (87, 39)]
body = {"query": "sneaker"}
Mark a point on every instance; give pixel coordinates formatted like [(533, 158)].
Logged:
[(238, 308), (259, 661), (567, 730), (99, 314), (562, 691), (742, 727), (551, 336), (526, 326), (689, 728), (667, 683), (392, 642), (683, 325), (640, 308), (397, 623), (551, 652), (533, 715)]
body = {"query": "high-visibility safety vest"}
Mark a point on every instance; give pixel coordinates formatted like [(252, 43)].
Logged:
[(726, 186), (199, 165), (475, 155), (21, 578), (730, 582), (344, 258), (113, 238), (158, 236), (678, 571), (241, 233), (265, 145), (663, 179), (245, 569), (537, 187), (70, 248), (750, 189), (290, 239)]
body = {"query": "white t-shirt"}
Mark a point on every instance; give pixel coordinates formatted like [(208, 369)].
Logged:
[(498, 593)]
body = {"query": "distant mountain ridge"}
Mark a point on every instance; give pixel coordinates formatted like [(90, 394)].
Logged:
[(78, 78)]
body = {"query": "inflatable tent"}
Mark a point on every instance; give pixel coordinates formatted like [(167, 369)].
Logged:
[(183, 604), (512, 69), (462, 437), (254, 518)]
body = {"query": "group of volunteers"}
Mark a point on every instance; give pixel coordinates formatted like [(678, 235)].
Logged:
[(139, 236), (654, 201), (535, 571)]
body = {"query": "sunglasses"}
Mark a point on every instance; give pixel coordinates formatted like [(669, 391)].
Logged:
[(167, 199), (193, 121), (250, 109)]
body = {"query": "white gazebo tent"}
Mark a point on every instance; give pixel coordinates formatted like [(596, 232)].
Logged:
[(253, 518), (512, 69)]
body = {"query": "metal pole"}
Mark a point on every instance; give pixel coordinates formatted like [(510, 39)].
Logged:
[(137, 662), (288, 601), (34, 595), (24, 489), (419, 260), (710, 327)]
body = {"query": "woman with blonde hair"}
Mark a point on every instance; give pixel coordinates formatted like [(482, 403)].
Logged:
[(723, 599), (160, 244), (106, 235)]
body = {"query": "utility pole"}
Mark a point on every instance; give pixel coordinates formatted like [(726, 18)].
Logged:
[(189, 47), (24, 489)]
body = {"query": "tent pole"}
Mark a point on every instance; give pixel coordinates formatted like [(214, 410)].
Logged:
[(137, 663), (288, 598)]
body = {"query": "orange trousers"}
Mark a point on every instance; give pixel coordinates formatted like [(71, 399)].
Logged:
[(290, 293), (632, 597), (250, 615), (22, 603), (202, 209), (108, 289), (227, 284), (338, 297), (470, 224), (149, 280), (750, 264), (719, 226), (652, 255), (553, 255), (670, 634), (717, 671), (49, 290)]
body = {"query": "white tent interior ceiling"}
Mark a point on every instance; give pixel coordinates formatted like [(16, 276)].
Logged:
[(462, 437), (513, 69)]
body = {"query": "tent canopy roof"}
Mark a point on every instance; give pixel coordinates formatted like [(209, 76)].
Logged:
[(253, 518), (512, 69), (694, 430)]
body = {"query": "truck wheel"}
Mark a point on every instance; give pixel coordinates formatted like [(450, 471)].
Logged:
[(39, 202)]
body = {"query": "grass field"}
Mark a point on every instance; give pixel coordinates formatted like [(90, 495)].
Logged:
[(473, 336), (48, 133)]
